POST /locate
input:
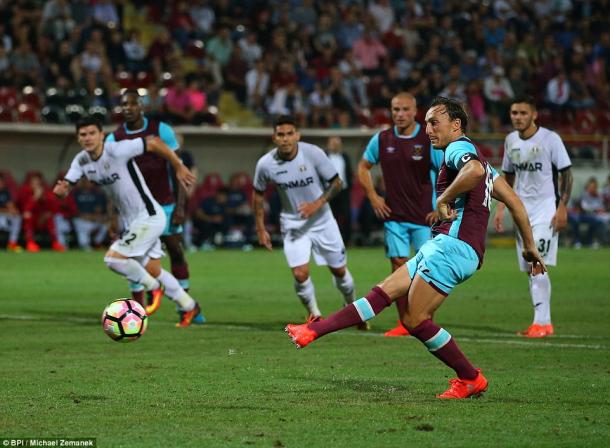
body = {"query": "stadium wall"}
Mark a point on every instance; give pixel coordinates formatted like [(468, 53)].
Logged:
[(49, 149)]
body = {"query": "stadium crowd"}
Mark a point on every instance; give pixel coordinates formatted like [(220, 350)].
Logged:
[(328, 63)]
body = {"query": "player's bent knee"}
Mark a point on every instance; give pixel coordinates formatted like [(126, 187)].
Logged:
[(114, 264), (338, 272), (412, 321)]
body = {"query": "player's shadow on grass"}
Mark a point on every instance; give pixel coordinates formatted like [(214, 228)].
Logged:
[(475, 328)]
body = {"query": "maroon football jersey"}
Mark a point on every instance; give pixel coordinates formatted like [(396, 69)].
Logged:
[(472, 206), (155, 169), (406, 165)]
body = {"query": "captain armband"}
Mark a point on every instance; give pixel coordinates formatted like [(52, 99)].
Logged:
[(467, 157)]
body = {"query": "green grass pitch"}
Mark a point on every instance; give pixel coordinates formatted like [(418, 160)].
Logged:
[(238, 381)]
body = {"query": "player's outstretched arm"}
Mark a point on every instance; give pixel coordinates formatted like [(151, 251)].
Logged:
[(503, 192), (381, 209), (468, 177), (258, 205), (61, 188), (499, 216), (308, 209), (183, 174)]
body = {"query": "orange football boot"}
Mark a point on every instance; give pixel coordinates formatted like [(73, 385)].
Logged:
[(188, 316), (301, 334), (536, 331), (465, 388), (154, 300), (398, 330)]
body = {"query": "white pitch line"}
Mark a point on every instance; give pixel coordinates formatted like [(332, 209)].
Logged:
[(522, 343)]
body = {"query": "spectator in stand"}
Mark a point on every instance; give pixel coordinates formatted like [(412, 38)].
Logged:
[(57, 21), (239, 212), (498, 93), (235, 74), (349, 30), (257, 85), (592, 212), (305, 15), (6, 73), (181, 23), (370, 53), (204, 17), (251, 50), (105, 13), (161, 53), (558, 92), (288, 101), (135, 53), (221, 46), (25, 65), (38, 207), (476, 106), (320, 106), (454, 91), (580, 93), (210, 220), (10, 218), (92, 214), (178, 102), (354, 87), (383, 13)]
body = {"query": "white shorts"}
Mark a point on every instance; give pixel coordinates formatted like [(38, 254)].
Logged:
[(325, 241), (546, 241), (141, 238)]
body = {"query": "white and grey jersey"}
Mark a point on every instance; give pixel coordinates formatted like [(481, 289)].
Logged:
[(299, 180), (535, 162), (119, 175)]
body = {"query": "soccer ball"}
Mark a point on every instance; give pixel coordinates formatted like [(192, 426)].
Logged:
[(124, 320)]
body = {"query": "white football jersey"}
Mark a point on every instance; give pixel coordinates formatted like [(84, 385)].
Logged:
[(535, 162), (299, 180), (119, 175)]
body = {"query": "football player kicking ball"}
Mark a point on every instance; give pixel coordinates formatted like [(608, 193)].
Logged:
[(299, 170), (137, 254), (466, 185)]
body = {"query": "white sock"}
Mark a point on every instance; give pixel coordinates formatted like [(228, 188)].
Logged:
[(345, 285), (306, 292), (540, 290), (133, 270), (174, 291)]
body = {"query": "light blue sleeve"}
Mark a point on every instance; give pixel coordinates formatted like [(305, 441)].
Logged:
[(371, 153), (167, 134), (456, 150), (110, 137), (436, 157)]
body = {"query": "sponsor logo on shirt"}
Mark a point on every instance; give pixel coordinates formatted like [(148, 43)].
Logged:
[(417, 152), (528, 166), (109, 180), (295, 183)]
